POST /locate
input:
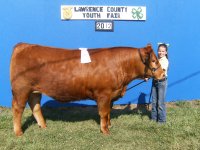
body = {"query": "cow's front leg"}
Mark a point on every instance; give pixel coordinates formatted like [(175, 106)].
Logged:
[(109, 123), (103, 103), (123, 91), (111, 106)]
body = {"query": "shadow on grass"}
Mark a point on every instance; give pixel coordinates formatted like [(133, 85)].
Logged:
[(83, 113), (139, 109), (29, 121)]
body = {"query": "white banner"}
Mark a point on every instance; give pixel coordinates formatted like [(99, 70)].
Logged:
[(90, 12)]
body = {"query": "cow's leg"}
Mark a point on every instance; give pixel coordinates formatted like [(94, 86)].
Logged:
[(123, 91), (111, 106), (34, 103), (103, 103), (109, 123), (18, 105)]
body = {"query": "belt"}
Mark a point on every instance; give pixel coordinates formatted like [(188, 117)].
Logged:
[(161, 80)]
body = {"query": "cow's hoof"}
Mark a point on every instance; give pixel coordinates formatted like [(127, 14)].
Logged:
[(105, 132), (43, 126), (18, 134)]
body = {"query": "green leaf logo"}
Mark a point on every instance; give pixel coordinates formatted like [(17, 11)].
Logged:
[(137, 13)]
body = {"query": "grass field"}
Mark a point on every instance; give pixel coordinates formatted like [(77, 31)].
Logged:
[(74, 128)]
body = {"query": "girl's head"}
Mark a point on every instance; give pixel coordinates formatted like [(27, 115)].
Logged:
[(162, 50)]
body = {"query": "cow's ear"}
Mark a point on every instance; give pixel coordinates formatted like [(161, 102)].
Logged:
[(148, 48), (149, 45)]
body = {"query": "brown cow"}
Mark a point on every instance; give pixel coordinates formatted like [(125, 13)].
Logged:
[(59, 74)]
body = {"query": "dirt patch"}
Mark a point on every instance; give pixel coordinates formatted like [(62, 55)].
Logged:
[(1, 109)]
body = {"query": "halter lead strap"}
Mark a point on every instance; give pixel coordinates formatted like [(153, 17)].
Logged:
[(143, 61)]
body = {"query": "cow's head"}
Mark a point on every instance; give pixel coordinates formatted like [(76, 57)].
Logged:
[(152, 65)]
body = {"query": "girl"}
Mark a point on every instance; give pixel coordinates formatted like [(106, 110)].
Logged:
[(159, 88)]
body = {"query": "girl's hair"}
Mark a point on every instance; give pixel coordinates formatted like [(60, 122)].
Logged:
[(165, 46)]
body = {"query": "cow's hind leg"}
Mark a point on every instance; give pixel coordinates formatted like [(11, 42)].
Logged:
[(34, 103), (103, 103), (18, 105)]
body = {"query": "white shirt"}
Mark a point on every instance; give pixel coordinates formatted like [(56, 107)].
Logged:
[(164, 64)]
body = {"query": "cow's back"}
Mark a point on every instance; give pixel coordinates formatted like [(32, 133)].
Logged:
[(29, 57)]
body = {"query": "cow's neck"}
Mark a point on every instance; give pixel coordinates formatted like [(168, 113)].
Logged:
[(135, 68)]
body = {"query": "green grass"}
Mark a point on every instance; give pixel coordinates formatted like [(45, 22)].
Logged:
[(75, 128)]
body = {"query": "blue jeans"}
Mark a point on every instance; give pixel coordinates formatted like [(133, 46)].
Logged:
[(158, 112)]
